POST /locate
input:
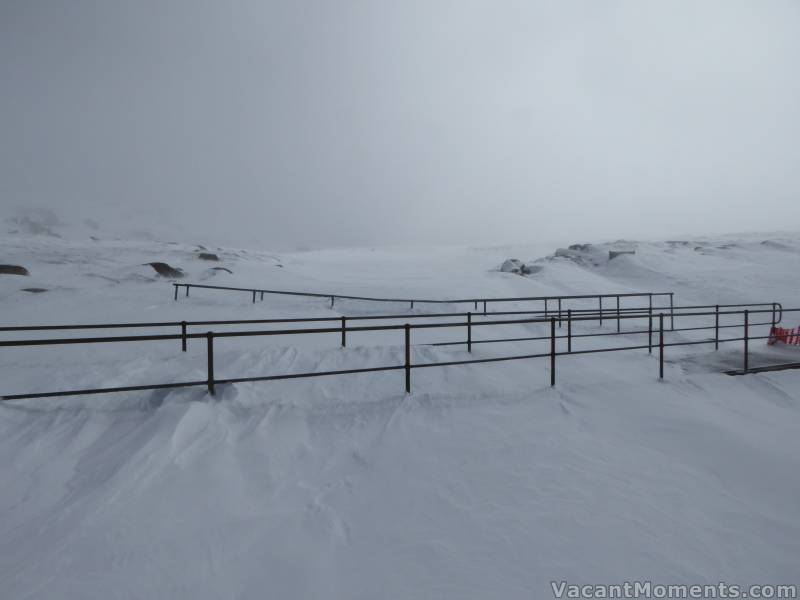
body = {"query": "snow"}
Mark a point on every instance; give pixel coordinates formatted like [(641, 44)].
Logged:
[(484, 482)]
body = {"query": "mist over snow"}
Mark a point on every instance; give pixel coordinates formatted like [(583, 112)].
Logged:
[(338, 124)]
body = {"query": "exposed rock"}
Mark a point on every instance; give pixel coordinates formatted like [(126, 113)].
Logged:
[(581, 254), (511, 265), (221, 269), (514, 265), (612, 254), (34, 290), (13, 270), (165, 270), (530, 269), (208, 256), (576, 256)]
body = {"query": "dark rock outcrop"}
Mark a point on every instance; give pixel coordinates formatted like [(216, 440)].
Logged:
[(208, 256), (13, 270), (34, 290), (165, 270)]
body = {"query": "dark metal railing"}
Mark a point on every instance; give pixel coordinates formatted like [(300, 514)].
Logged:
[(774, 311), (258, 293), (607, 314)]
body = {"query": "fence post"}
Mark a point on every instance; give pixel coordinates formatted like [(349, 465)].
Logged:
[(559, 313), (746, 337), (773, 314), (600, 298), (469, 332), (262, 296), (332, 300), (175, 285), (187, 290), (344, 332), (183, 336), (671, 313), (552, 352), (545, 308), (484, 308), (210, 338), (412, 305), (661, 345), (254, 296), (569, 330), (476, 305), (408, 358), (650, 330), (617, 314), (716, 327)]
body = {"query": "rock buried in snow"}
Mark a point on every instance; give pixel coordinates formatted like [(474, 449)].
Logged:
[(512, 265), (582, 254), (34, 290), (612, 254), (13, 270), (165, 270), (214, 272), (207, 256), (530, 269)]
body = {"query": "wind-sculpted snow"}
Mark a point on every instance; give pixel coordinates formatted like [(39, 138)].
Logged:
[(270, 493), (483, 483)]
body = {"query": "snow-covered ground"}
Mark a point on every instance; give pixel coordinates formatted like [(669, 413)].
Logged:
[(483, 483)]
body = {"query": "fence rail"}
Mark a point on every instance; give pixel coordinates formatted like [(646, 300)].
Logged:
[(773, 311), (476, 302)]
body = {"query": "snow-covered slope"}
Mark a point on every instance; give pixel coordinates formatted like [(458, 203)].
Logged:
[(485, 482)]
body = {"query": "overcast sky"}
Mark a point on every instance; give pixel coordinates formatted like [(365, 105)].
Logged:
[(346, 122)]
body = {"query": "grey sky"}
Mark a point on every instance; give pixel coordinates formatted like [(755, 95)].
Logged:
[(366, 122)]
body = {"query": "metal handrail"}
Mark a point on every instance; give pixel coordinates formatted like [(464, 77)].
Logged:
[(211, 381), (590, 313), (415, 300)]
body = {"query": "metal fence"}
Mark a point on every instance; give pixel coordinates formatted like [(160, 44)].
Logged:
[(559, 301), (764, 313)]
